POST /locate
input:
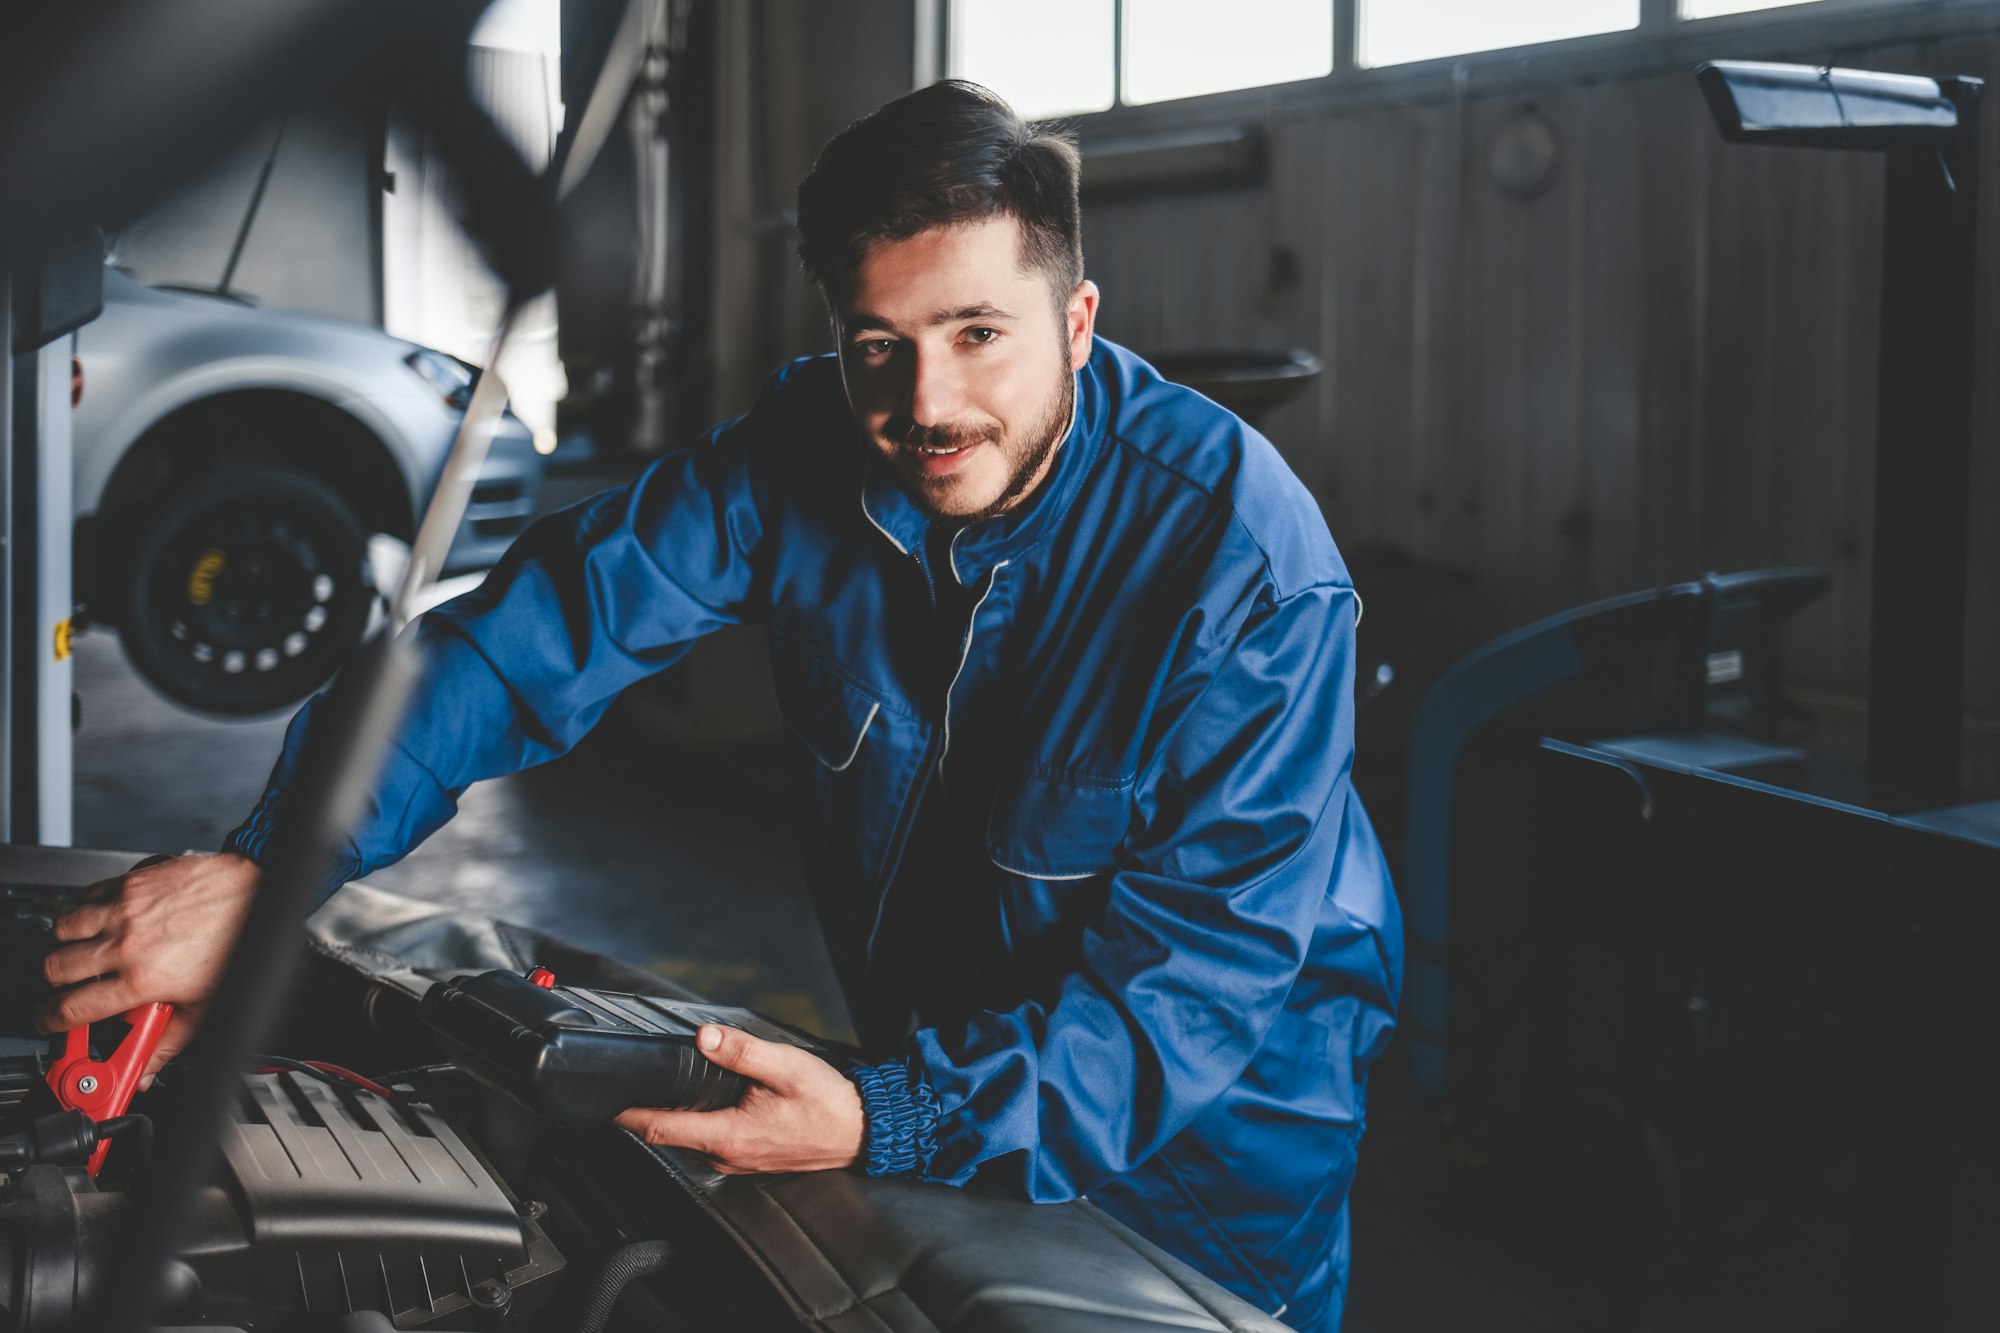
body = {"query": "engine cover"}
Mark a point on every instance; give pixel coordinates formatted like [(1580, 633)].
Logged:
[(338, 1201), (329, 1202)]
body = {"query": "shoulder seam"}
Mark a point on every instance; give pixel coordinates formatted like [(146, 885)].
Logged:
[(1235, 516)]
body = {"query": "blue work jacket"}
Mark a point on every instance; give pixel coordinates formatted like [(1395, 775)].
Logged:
[(1072, 791)]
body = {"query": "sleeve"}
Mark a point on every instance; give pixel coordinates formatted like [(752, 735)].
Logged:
[(1236, 833), (583, 604)]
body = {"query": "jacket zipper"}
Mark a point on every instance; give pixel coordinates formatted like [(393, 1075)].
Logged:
[(965, 651), (930, 585), (930, 767), (899, 841)]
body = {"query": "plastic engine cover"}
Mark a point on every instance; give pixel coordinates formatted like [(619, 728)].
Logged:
[(339, 1201)]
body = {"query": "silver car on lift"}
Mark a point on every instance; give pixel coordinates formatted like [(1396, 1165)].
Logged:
[(231, 466)]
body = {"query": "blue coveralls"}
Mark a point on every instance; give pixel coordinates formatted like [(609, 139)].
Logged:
[(1072, 790)]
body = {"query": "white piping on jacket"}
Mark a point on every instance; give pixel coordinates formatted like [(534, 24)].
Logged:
[(971, 623), (1025, 874), (866, 722), (871, 518)]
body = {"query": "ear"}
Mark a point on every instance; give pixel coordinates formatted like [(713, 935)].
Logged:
[(1080, 320)]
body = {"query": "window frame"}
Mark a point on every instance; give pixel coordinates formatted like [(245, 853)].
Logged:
[(1663, 41)]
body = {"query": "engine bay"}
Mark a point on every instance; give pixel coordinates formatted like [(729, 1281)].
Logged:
[(341, 1200), (333, 1201), (366, 1183)]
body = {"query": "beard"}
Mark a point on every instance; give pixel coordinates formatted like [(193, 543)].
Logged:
[(1025, 456)]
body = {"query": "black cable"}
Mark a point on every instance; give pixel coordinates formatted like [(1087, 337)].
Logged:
[(138, 1128), (335, 1077), (287, 1062), (68, 1138), (641, 1258)]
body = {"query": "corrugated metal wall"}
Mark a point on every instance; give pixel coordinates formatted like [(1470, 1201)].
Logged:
[(1663, 363)]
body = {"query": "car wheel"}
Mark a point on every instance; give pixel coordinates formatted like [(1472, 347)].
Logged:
[(246, 590)]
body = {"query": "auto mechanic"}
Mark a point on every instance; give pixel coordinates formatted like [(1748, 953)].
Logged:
[(1066, 654)]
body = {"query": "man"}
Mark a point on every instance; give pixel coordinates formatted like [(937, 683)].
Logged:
[(1067, 655)]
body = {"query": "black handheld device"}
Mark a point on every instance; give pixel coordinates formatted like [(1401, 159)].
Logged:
[(578, 1057)]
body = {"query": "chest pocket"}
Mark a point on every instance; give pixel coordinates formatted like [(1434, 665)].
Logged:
[(829, 714), (1053, 829)]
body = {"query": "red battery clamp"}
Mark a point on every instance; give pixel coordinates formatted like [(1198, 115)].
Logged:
[(102, 1089)]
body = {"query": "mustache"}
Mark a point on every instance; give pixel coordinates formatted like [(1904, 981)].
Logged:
[(943, 435)]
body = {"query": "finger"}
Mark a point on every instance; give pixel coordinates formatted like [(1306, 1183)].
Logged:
[(695, 1131), (173, 1040), (88, 1003), (103, 891), (78, 962), (83, 922), (774, 1064)]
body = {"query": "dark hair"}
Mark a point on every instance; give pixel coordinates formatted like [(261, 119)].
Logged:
[(950, 153)]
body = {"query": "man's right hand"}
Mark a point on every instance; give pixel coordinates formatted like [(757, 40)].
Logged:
[(162, 932)]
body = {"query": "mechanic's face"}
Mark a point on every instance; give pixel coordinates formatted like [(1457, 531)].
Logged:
[(958, 368)]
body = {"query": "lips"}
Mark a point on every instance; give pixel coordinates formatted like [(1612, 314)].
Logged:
[(935, 462)]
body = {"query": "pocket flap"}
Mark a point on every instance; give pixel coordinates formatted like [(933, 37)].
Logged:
[(1051, 828), (827, 712)]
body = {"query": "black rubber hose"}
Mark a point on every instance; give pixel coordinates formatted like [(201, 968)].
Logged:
[(641, 1258)]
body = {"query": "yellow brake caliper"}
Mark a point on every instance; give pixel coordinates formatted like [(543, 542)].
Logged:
[(201, 580)]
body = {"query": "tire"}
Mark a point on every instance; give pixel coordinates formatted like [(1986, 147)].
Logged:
[(246, 589)]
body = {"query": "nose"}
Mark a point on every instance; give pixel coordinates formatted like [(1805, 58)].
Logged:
[(935, 394)]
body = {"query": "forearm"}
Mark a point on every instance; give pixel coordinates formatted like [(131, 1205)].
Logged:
[(516, 672)]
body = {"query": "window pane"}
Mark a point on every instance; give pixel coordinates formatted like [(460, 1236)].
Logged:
[(1047, 57), (1183, 48), (1395, 31), (1708, 9)]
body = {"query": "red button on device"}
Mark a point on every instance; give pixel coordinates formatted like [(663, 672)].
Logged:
[(544, 978)]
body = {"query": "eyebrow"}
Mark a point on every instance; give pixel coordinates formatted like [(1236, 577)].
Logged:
[(861, 319)]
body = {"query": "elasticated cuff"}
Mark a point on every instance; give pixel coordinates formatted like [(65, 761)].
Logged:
[(901, 1110), (252, 837)]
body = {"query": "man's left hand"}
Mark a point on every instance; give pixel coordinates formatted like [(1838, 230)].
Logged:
[(799, 1114)]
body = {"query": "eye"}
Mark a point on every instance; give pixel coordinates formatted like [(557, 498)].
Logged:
[(873, 348), (982, 336)]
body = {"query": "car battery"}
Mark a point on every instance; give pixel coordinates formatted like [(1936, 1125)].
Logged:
[(578, 1057)]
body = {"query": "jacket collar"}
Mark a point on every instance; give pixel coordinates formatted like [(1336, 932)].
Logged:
[(981, 547)]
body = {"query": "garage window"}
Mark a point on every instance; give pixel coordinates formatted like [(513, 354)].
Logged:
[(1708, 9), (1047, 57), (1071, 57), (1184, 48), (1060, 58), (1395, 32)]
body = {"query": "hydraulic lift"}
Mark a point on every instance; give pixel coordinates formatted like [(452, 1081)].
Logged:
[(42, 304)]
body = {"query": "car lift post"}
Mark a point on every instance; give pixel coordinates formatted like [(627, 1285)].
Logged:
[(41, 306)]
